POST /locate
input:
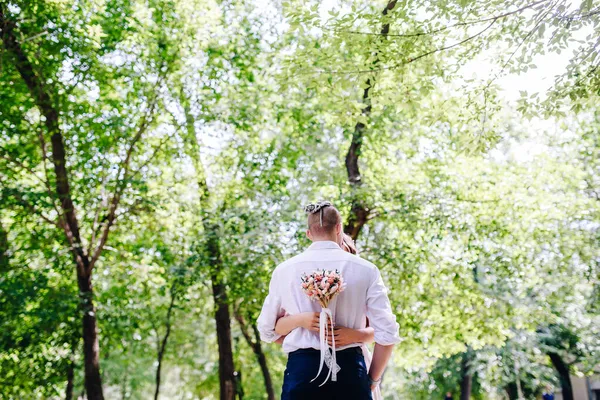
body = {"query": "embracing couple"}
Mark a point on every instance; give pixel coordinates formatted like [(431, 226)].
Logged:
[(322, 365)]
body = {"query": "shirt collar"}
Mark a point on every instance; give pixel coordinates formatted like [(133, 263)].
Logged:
[(324, 244)]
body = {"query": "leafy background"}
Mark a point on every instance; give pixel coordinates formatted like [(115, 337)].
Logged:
[(458, 138)]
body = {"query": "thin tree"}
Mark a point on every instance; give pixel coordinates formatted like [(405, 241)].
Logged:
[(161, 345), (255, 345), (211, 247)]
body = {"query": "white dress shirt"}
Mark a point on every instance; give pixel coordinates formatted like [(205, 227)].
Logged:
[(365, 296)]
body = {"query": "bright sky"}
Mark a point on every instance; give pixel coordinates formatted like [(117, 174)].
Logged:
[(539, 80)]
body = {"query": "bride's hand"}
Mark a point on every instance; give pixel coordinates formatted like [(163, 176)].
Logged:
[(344, 336), (309, 320)]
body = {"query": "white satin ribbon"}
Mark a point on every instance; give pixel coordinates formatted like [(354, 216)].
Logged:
[(327, 358)]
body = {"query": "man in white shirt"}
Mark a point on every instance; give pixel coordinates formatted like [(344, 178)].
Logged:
[(365, 296)]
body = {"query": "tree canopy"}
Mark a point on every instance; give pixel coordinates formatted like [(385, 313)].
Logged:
[(155, 157)]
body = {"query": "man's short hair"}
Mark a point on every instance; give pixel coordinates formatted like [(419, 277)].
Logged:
[(323, 222)]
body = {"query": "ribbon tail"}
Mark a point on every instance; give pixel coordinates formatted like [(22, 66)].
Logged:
[(323, 342), (331, 359), (327, 354), (334, 365), (327, 358)]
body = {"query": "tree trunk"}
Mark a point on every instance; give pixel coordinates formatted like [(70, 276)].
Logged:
[(226, 368), (158, 368), (466, 381), (124, 384), (563, 375), (358, 218), (3, 249), (359, 212), (227, 374), (222, 318), (517, 377), (93, 381), (239, 387), (70, 379), (512, 391), (262, 361), (256, 347), (163, 345)]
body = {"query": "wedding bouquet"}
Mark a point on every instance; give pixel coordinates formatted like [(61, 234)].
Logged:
[(323, 286)]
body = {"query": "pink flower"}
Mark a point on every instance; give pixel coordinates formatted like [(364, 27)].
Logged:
[(322, 285)]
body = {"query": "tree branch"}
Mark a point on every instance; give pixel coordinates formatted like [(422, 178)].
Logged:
[(423, 55), (45, 182), (155, 152), (95, 225), (525, 39), (121, 183), (578, 17), (436, 31), (244, 328), (420, 56), (24, 167), (26, 204), (44, 103)]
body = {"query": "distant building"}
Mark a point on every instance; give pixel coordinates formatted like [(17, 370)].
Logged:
[(584, 388)]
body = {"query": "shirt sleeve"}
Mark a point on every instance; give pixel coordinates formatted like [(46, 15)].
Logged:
[(379, 312), (271, 310)]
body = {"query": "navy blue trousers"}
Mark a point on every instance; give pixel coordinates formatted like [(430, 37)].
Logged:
[(302, 366)]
